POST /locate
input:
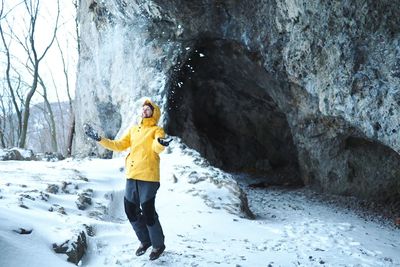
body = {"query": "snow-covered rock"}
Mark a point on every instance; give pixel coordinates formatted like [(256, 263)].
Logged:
[(17, 154), (28, 154), (75, 249)]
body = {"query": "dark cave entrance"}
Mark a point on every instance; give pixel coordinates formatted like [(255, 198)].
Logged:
[(219, 103)]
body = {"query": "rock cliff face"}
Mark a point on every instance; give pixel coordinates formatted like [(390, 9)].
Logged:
[(300, 91)]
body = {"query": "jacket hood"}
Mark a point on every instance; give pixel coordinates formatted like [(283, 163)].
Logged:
[(153, 120)]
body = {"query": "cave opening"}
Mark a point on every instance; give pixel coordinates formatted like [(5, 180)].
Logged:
[(219, 103)]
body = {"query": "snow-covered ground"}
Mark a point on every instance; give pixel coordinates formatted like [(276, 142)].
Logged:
[(198, 212)]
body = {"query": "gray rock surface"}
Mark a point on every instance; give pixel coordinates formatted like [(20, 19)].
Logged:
[(84, 199), (75, 248), (300, 91), (52, 188), (17, 154)]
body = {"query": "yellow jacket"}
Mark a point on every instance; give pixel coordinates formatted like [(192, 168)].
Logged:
[(143, 161)]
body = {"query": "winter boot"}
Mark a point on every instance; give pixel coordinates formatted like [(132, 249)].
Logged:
[(156, 252), (142, 249)]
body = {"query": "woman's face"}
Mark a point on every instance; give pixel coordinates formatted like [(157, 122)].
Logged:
[(146, 111)]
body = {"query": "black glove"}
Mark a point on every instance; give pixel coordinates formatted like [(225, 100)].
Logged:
[(91, 133), (164, 141)]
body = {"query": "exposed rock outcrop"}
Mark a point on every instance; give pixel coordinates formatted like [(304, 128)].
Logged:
[(17, 154), (84, 199), (74, 249), (27, 154), (298, 91)]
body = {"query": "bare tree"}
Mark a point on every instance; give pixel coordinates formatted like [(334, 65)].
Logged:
[(61, 137), (71, 127), (71, 132), (10, 86), (3, 118), (49, 111), (39, 131), (33, 9), (25, 75), (28, 43)]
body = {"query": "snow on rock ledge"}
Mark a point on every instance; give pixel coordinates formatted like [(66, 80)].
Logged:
[(17, 154), (27, 154), (195, 170), (74, 248)]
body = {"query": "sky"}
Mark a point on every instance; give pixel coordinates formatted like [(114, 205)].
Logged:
[(51, 66)]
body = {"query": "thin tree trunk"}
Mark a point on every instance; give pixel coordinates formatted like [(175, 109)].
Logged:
[(33, 11), (8, 78), (3, 118), (61, 140), (53, 130), (22, 141), (71, 135), (71, 131), (3, 144)]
